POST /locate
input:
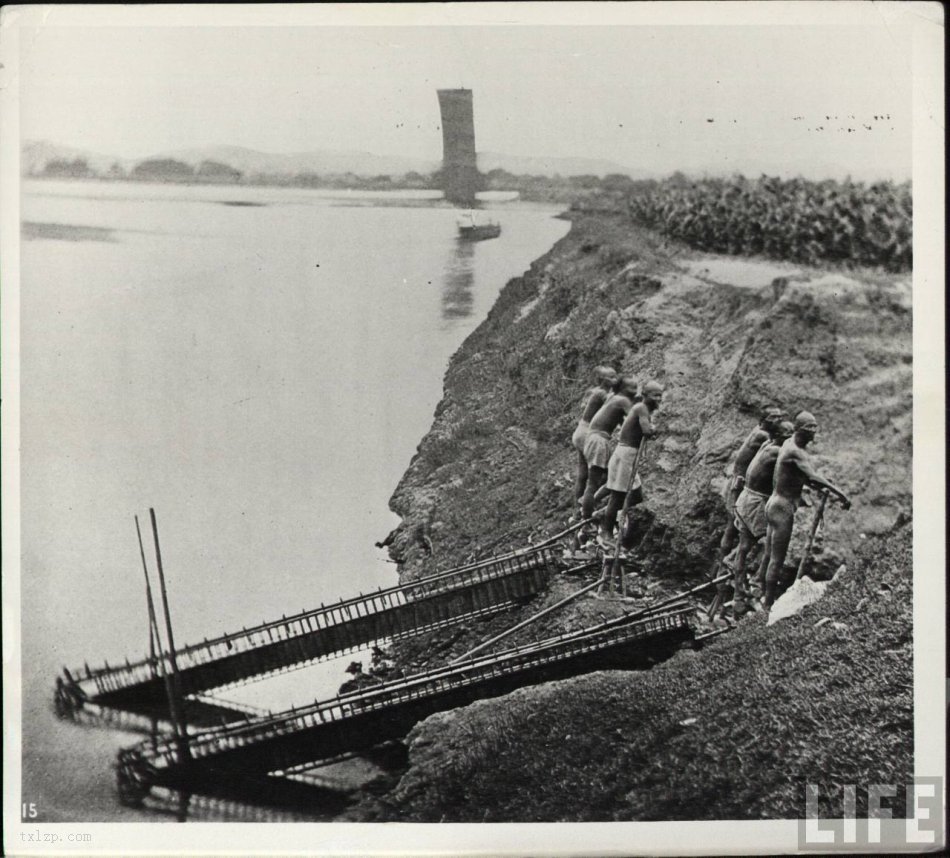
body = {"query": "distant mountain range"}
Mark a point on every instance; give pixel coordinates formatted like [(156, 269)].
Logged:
[(35, 154), (322, 161), (541, 166)]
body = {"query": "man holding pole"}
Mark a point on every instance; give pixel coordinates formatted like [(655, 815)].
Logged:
[(793, 471), (623, 481), (772, 415), (750, 509), (605, 378), (610, 415)]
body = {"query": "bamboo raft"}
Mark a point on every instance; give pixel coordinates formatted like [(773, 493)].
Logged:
[(477, 590), (223, 751), (274, 746)]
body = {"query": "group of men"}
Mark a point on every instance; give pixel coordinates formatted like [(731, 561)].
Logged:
[(613, 401), (770, 471)]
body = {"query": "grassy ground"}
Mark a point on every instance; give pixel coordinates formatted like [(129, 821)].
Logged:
[(732, 732)]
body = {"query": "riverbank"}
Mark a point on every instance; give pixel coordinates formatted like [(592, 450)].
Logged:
[(725, 336), (254, 342)]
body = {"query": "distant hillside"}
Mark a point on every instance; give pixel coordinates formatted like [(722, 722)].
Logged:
[(250, 161), (37, 153), (322, 162), (526, 165)]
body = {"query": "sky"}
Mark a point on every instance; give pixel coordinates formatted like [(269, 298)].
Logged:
[(652, 98)]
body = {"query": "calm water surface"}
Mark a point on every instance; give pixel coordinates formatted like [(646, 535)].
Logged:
[(261, 376)]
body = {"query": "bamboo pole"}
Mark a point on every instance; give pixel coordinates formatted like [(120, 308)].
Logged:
[(152, 623), (154, 635), (815, 524), (649, 609), (177, 712), (528, 621)]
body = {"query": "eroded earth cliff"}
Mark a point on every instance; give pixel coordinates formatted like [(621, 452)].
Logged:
[(725, 337)]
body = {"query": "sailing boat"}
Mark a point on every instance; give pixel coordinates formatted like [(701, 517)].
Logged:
[(472, 231)]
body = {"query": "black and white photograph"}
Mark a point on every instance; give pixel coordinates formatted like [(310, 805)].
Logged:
[(422, 418)]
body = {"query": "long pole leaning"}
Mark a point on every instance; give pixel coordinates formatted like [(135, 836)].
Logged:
[(155, 639), (528, 621), (152, 622), (815, 523), (622, 521), (177, 712)]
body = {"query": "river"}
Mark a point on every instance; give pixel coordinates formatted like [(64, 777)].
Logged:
[(257, 365)]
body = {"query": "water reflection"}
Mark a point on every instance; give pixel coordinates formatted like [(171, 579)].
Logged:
[(189, 807), (457, 282)]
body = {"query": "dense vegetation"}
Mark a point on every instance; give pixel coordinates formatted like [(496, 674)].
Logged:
[(793, 219)]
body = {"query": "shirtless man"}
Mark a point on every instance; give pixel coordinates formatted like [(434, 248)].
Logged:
[(610, 415), (605, 378), (772, 415), (637, 426), (750, 508), (793, 471)]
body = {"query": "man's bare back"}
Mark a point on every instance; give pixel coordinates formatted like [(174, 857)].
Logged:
[(606, 378), (790, 468), (760, 474), (752, 444), (611, 413), (595, 398), (637, 424), (771, 417), (793, 471)]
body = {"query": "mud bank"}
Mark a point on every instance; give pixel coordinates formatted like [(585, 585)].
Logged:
[(734, 731), (725, 336)]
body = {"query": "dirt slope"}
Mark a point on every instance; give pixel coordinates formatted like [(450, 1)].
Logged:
[(732, 732), (726, 337)]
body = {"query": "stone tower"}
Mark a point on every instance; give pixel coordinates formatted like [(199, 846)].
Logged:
[(460, 177)]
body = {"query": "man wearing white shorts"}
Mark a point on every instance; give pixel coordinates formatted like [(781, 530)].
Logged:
[(596, 448), (606, 378), (620, 469), (637, 426), (751, 521), (771, 416)]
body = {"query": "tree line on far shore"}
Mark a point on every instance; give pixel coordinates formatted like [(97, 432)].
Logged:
[(153, 170), (558, 189), (793, 219)]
